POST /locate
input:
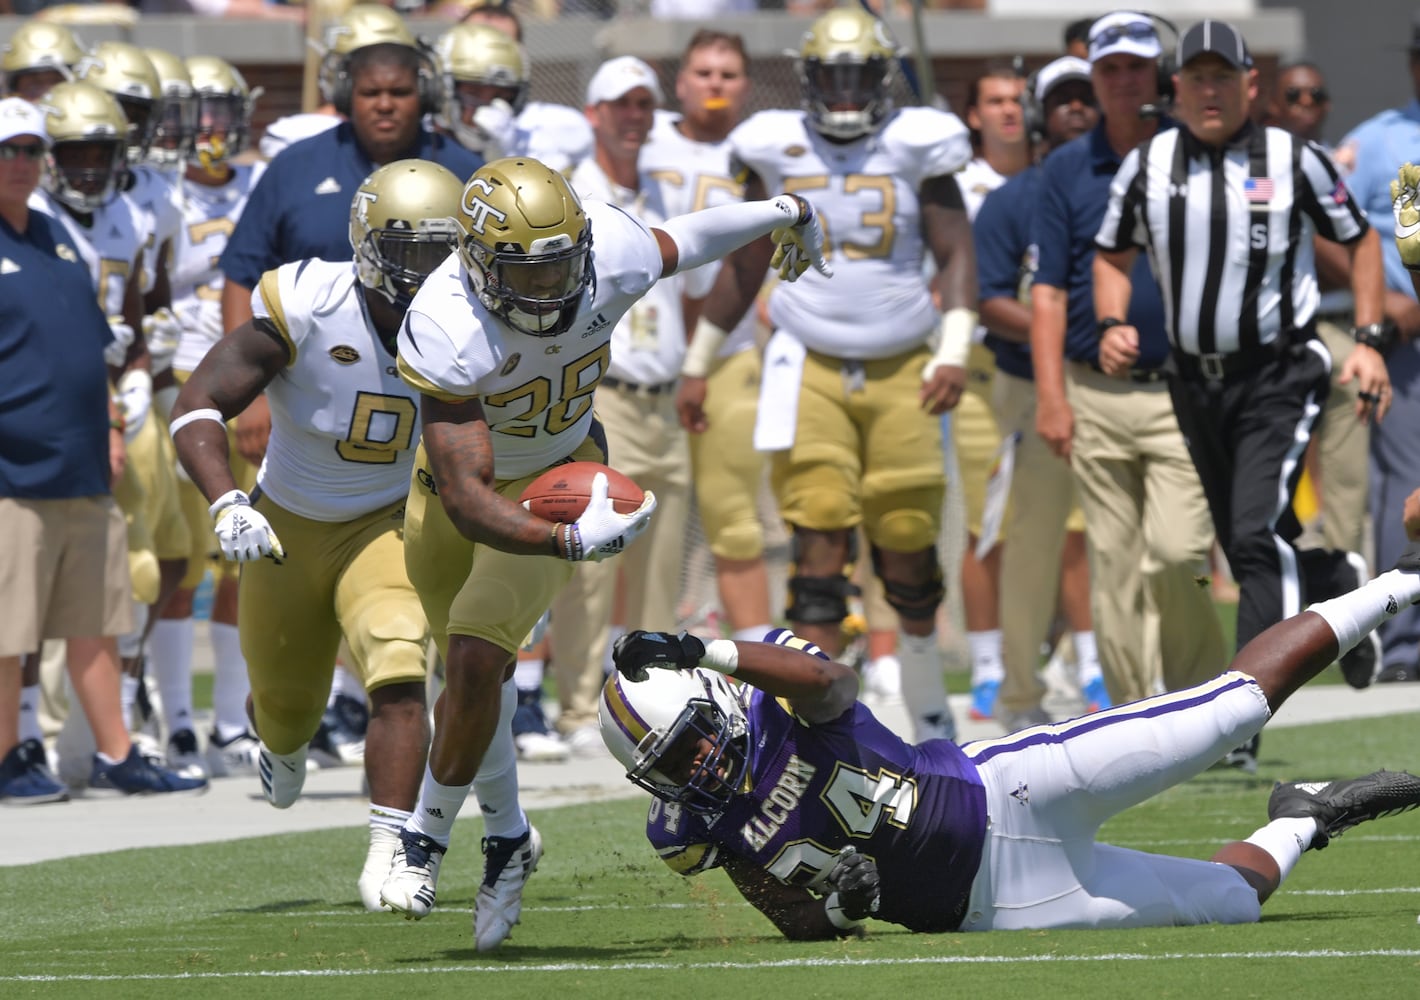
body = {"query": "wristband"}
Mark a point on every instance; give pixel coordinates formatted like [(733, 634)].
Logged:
[(192, 417), (117, 424), (836, 916), (232, 498), (722, 656), (701, 355), (953, 340)]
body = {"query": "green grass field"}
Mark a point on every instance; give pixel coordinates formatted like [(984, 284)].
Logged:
[(279, 916)]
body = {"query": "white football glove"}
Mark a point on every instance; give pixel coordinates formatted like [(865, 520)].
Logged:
[(601, 532), (242, 531), (495, 120), (1405, 203), (162, 330), (799, 245), (135, 399), (116, 353)]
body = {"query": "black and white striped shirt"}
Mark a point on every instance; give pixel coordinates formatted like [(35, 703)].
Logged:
[(1229, 231)]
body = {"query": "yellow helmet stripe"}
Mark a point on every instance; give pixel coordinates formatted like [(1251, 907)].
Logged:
[(621, 711)]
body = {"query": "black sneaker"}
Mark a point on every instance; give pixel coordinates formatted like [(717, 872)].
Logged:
[(1337, 806), (136, 775), (1360, 663), (25, 779), (1244, 758)]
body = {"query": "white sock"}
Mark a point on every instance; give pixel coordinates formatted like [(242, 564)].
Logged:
[(986, 662), (1285, 839), (230, 685), (527, 674), (1087, 656), (346, 683), (613, 633), (496, 785), (127, 695), (436, 810), (30, 728), (170, 656), (1353, 616), (388, 817), (924, 688), (755, 633)]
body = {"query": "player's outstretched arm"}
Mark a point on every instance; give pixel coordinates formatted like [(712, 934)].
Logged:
[(796, 912)]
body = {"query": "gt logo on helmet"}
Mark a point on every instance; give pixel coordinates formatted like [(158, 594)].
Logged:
[(479, 210)]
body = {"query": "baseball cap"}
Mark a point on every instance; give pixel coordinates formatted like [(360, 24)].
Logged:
[(617, 77), (1053, 74), (20, 117), (1126, 31), (1218, 38)]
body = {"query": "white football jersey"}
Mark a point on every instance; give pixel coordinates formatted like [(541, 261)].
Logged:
[(557, 135), (866, 193), (292, 129), (694, 176), (536, 391), (109, 244), (209, 214), (976, 180), (156, 194), (648, 344), (343, 424)]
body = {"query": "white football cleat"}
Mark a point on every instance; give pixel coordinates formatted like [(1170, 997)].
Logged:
[(413, 877), (507, 864), (384, 841), (283, 775), (236, 756)]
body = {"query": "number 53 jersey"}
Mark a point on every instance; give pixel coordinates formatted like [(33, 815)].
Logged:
[(918, 811), (343, 424), (865, 191)]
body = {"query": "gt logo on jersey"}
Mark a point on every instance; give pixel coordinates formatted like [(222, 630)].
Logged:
[(479, 210)]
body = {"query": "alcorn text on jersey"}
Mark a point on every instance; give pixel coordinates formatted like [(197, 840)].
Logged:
[(343, 424), (866, 194), (209, 214), (536, 391)]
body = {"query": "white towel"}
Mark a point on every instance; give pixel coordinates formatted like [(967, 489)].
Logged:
[(998, 490), (779, 392)]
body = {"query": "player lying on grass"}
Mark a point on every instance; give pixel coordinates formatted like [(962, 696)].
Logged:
[(823, 818)]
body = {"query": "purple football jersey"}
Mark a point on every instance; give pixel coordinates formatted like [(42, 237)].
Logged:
[(918, 811)]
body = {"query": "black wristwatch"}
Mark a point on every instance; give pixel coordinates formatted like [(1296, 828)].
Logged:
[(1380, 336), (1104, 324)]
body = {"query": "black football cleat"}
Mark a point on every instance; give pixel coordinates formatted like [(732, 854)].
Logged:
[(1337, 806)]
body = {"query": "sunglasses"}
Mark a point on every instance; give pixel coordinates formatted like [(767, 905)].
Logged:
[(1135, 30), (29, 152), (1293, 95)]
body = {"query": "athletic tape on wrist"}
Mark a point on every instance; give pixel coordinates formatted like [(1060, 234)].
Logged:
[(721, 655)]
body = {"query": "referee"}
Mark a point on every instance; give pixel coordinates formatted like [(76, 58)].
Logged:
[(1226, 210)]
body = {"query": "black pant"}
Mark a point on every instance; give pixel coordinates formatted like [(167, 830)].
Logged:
[(1248, 438)]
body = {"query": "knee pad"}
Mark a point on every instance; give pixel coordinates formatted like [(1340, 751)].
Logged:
[(913, 601), (820, 600)]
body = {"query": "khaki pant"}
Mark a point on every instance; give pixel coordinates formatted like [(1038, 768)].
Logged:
[(1343, 452), (646, 442), (1148, 532), (1044, 505)]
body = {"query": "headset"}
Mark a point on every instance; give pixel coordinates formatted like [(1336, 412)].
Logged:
[(430, 83), (1166, 59)]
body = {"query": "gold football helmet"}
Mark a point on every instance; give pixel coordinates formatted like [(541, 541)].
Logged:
[(177, 120), (125, 72), (43, 48), (88, 133), (224, 103), (527, 245), (363, 24), (479, 64), (847, 64), (403, 224)]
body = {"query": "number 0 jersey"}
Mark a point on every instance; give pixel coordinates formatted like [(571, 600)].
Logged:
[(877, 303), (343, 425), (918, 811), (536, 391)]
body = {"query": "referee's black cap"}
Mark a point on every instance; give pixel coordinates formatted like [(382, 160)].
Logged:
[(1217, 38)]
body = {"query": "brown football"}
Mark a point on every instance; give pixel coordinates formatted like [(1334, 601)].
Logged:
[(561, 493)]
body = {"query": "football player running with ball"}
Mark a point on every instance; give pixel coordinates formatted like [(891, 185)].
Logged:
[(852, 388), (321, 544), (507, 342), (823, 818)]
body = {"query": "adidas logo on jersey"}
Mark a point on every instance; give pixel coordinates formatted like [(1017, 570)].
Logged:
[(598, 322), (8, 266), (328, 186)]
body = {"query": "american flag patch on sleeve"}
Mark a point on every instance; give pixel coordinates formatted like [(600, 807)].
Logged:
[(1258, 188)]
